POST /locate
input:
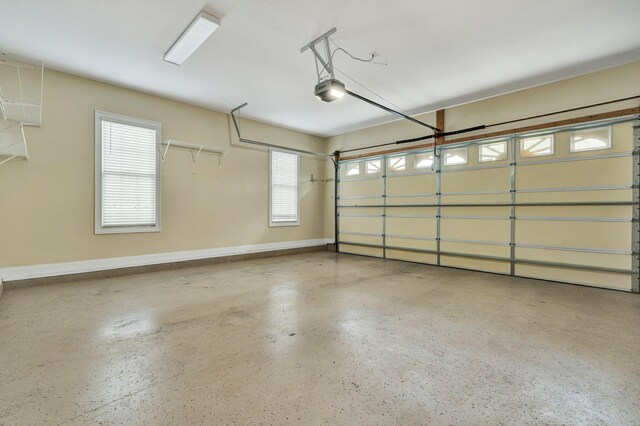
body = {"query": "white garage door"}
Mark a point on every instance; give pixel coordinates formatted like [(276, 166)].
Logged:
[(559, 205)]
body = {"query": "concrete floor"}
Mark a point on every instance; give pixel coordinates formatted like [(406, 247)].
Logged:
[(319, 338)]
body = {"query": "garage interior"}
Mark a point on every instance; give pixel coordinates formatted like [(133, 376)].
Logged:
[(219, 212)]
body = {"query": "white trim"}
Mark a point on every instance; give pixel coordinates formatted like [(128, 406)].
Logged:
[(67, 268), (133, 121)]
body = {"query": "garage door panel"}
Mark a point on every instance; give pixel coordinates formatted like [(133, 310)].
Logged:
[(363, 251), (470, 229), (370, 225), (476, 211), (415, 184), (411, 227), (573, 211), (375, 240), (371, 188), (411, 243), (605, 172), (597, 279), (479, 249), (476, 180), (597, 235), (617, 261), (408, 256), (476, 199), (413, 200), (577, 196), (411, 211), (475, 264), (361, 211)]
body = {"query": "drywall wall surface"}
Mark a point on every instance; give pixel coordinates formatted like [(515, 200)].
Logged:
[(602, 86), (47, 204)]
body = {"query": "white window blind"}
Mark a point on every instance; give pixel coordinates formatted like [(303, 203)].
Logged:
[(128, 175), (284, 188)]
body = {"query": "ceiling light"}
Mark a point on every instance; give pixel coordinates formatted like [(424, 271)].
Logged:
[(329, 90), (196, 33)]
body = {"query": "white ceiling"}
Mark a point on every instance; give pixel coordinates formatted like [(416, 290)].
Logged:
[(439, 53)]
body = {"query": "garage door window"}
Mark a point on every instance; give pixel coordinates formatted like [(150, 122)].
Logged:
[(591, 139), (423, 161), (455, 157), (496, 151), (397, 164), (373, 167), (536, 146), (353, 169)]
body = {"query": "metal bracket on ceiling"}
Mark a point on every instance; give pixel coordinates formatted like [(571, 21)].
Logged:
[(325, 58)]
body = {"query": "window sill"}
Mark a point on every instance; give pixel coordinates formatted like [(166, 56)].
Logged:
[(283, 224), (126, 230)]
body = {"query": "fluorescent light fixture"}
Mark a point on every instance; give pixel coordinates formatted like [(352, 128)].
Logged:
[(196, 33), (329, 90)]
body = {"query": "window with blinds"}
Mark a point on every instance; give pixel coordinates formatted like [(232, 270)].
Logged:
[(283, 192), (127, 178)]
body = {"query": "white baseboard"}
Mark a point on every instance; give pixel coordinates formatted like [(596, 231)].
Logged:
[(67, 268)]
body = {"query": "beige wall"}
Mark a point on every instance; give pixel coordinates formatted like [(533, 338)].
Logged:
[(615, 83), (47, 204)]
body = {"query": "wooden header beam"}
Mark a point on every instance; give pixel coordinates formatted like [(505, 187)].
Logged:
[(514, 131)]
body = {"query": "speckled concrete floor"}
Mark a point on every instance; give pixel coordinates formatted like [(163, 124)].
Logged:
[(319, 339)]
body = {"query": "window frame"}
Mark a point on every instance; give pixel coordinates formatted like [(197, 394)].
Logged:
[(521, 146), (497, 160), (273, 224), (444, 157), (101, 116), (610, 145)]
